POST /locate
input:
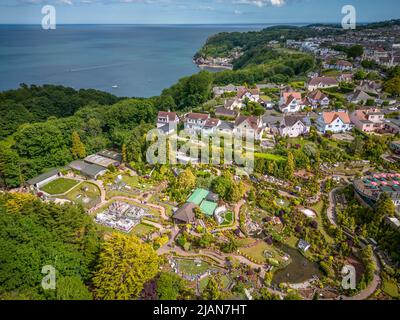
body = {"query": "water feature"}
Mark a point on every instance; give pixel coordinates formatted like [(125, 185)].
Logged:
[(299, 270)]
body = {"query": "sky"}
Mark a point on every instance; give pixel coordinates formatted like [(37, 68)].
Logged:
[(196, 11)]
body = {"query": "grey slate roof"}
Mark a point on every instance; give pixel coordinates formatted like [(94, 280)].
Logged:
[(186, 213), (43, 177)]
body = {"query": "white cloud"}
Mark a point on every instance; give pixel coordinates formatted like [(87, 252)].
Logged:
[(261, 3)]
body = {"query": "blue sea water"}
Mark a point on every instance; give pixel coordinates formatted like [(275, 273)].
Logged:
[(141, 60)]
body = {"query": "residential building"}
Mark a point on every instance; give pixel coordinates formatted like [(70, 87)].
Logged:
[(210, 126), (368, 120), (164, 118), (294, 125), (359, 97), (248, 127), (318, 99), (185, 214), (194, 122), (226, 127), (335, 122), (224, 112), (232, 104), (290, 102), (322, 83)]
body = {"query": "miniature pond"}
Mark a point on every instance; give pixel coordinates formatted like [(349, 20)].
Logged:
[(298, 271)]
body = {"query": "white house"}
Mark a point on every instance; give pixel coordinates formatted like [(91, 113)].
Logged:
[(210, 126), (335, 122), (164, 118), (294, 125), (290, 102), (318, 99), (248, 127), (322, 83), (194, 122)]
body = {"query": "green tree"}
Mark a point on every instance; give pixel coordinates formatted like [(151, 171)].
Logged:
[(392, 86), (169, 286), (125, 265), (355, 51), (290, 165), (72, 288), (211, 291), (78, 149)]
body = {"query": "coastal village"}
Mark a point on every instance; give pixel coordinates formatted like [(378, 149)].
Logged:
[(289, 227)]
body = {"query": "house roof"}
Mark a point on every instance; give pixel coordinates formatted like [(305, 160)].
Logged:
[(43, 177), (323, 80), (168, 115), (288, 97), (186, 213), (87, 169), (251, 120), (291, 120), (211, 123), (198, 196), (111, 155), (359, 95), (208, 207), (344, 63), (225, 125), (316, 95), (329, 117), (224, 112), (197, 116)]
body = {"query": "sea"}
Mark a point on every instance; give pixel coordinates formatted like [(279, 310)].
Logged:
[(126, 60)]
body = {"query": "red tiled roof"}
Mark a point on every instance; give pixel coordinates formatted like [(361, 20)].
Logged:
[(323, 80), (329, 117), (197, 116), (252, 120)]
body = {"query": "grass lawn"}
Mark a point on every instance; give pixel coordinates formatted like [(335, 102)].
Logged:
[(189, 267), (87, 194), (141, 230), (270, 156), (59, 186), (318, 209), (256, 252), (390, 288), (229, 219)]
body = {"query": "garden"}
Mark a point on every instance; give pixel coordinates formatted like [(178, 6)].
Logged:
[(59, 186)]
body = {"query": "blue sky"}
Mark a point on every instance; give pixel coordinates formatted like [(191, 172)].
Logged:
[(196, 11)]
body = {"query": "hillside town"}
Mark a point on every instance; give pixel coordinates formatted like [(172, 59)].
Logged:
[(320, 193)]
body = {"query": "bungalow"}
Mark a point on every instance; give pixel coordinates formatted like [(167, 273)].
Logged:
[(318, 99), (224, 112), (219, 91), (290, 102), (334, 122), (248, 127), (164, 118), (294, 125), (194, 122), (368, 120), (322, 83), (359, 97), (43, 179), (91, 171)]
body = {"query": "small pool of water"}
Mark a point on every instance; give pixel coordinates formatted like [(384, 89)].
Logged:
[(298, 271)]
